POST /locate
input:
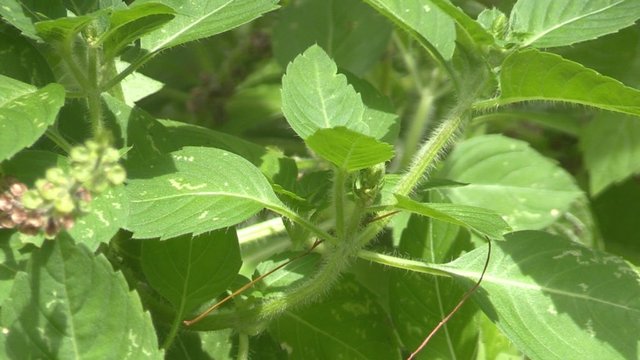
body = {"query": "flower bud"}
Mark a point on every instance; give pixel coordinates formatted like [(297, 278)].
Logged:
[(57, 176), (116, 175), (110, 155), (6, 202), (80, 154), (6, 222), (17, 189), (32, 199), (64, 204)]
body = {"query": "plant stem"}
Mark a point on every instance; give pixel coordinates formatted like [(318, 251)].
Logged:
[(293, 216), (399, 263), (338, 201), (54, 135), (94, 101), (243, 347), (417, 126), (173, 331)]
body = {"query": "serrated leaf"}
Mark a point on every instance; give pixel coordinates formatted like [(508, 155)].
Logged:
[(423, 20), (129, 24), (67, 293), (611, 150), (190, 271), (196, 190), (315, 96), (24, 13), (507, 176), (108, 213), (348, 149), (200, 19), (346, 29), (550, 23), (484, 221), (25, 113), (556, 299), (533, 75), (311, 332)]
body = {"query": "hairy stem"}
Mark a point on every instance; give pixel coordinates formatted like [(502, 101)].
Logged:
[(339, 201), (243, 347)]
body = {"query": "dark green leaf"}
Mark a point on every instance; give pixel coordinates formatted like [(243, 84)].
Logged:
[(67, 293), (348, 149), (423, 20), (506, 175), (63, 29), (200, 19), (11, 261), (190, 271), (129, 24), (24, 13), (550, 23), (533, 75), (21, 61), (611, 149), (556, 299), (311, 332), (346, 29), (484, 221), (25, 113), (196, 190)]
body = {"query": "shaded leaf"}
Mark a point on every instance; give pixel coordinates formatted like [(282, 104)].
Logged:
[(196, 190), (550, 23), (21, 60), (529, 190), (190, 271), (311, 332), (611, 150), (25, 113), (484, 221), (55, 306), (348, 149), (346, 29), (200, 19), (533, 75), (589, 308), (423, 20), (24, 13)]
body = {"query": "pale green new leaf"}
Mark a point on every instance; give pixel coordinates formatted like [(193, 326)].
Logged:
[(423, 20), (63, 29), (71, 304), (529, 190), (202, 18), (195, 190), (315, 96), (484, 221), (347, 324), (348, 149), (611, 149), (556, 299), (190, 271), (25, 113), (533, 75), (551, 23)]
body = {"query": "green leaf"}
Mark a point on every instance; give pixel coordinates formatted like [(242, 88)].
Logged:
[(506, 175), (108, 213), (315, 97), (473, 29), (66, 294), (63, 29), (129, 24), (21, 60), (311, 332), (205, 345), (550, 23), (25, 113), (611, 150), (24, 13), (556, 299), (484, 221), (346, 29), (533, 75), (11, 261), (136, 86), (348, 149), (423, 20), (200, 19), (89, 6), (190, 271), (196, 190)]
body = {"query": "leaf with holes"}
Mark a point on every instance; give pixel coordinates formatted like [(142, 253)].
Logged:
[(195, 190), (25, 113), (66, 292), (556, 299), (550, 23)]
